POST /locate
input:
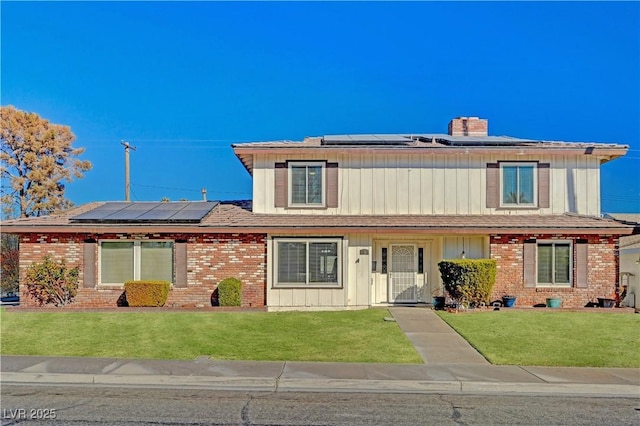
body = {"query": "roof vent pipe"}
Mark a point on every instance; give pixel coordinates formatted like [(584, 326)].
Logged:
[(204, 194)]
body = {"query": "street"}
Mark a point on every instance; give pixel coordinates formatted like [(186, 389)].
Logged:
[(48, 405)]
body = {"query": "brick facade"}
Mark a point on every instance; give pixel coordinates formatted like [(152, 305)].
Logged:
[(468, 126), (213, 257), (210, 259), (603, 267)]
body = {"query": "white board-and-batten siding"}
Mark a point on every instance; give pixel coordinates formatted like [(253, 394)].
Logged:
[(430, 184), (363, 284), (354, 292)]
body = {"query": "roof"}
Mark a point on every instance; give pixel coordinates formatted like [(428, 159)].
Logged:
[(631, 241), (146, 212), (426, 142), (625, 217), (236, 217)]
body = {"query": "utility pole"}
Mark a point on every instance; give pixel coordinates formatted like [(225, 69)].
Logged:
[(127, 180)]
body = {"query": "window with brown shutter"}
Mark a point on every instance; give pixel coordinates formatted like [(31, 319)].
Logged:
[(553, 261), (543, 185), (180, 253), (582, 269), (332, 185), (493, 185), (306, 184), (518, 184), (126, 260), (89, 264), (529, 262), (280, 196)]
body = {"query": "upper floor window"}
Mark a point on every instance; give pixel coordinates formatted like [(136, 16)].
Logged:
[(306, 186), (122, 261), (518, 184)]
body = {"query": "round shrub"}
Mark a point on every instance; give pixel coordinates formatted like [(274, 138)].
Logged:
[(146, 292), (469, 280), (230, 292)]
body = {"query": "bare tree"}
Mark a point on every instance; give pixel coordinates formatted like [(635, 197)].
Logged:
[(36, 159)]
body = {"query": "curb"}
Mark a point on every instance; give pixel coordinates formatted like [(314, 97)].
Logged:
[(257, 384)]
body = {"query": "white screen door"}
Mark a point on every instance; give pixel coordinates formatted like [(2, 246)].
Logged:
[(403, 287)]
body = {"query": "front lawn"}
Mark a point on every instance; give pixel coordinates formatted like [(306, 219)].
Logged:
[(345, 336), (518, 337)]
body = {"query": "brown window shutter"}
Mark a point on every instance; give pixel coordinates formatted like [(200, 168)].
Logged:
[(89, 264), (281, 185), (180, 254), (332, 184), (529, 262), (493, 185), (582, 270), (543, 185)]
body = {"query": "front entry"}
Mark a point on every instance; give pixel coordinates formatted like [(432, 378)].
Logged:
[(402, 274)]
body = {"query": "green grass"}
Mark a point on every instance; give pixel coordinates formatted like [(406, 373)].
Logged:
[(345, 336), (572, 339)]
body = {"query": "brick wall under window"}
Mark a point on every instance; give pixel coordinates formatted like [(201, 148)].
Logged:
[(210, 259), (602, 274)]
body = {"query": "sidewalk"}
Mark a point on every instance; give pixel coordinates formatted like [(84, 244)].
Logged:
[(451, 366)]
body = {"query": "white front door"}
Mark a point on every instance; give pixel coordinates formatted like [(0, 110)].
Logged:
[(402, 274)]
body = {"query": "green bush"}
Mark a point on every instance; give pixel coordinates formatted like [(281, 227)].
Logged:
[(51, 282), (469, 280), (230, 292), (146, 293)]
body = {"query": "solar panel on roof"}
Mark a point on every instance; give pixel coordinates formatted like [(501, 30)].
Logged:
[(162, 211), (146, 212), (486, 140), (367, 139), (407, 139), (195, 211), (102, 211), (132, 211)]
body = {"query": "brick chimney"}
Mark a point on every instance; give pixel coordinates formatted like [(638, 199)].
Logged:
[(468, 126)]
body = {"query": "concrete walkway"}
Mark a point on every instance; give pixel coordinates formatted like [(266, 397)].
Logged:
[(451, 366), (435, 341)]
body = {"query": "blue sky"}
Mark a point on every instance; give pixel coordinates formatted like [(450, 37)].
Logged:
[(182, 81)]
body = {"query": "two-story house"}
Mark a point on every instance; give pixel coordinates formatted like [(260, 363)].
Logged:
[(352, 221)]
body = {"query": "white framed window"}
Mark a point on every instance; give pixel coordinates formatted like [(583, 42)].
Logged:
[(306, 183), (302, 262), (554, 263), (126, 260), (518, 184)]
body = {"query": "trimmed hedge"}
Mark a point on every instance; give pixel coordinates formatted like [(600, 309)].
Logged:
[(146, 293), (469, 280), (230, 292)]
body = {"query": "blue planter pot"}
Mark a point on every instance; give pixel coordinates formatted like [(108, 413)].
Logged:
[(508, 302), (438, 302), (553, 302)]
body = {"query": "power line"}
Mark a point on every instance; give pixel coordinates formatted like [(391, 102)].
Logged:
[(163, 140), (188, 190)]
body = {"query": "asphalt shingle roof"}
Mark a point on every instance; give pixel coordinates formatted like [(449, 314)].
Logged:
[(236, 216)]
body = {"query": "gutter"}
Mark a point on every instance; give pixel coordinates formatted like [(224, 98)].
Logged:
[(292, 229)]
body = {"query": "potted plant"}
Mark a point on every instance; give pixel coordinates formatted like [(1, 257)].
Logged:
[(554, 302), (508, 301), (438, 300)]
